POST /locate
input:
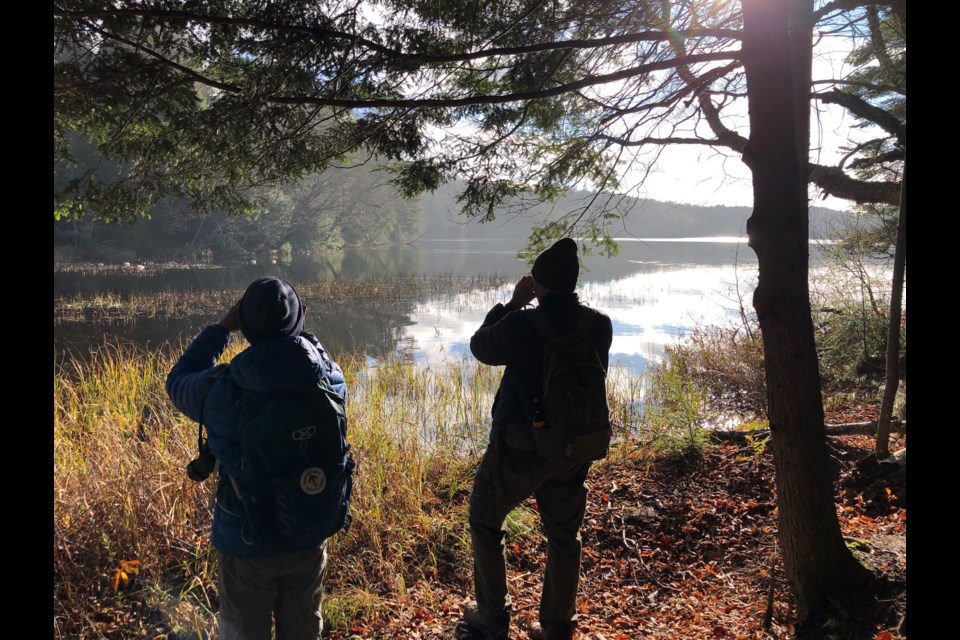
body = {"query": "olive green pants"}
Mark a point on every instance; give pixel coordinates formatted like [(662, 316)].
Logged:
[(506, 478)]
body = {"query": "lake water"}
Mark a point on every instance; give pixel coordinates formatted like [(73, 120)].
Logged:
[(654, 291)]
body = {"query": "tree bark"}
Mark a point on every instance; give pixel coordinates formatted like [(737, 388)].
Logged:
[(817, 562), (893, 331)]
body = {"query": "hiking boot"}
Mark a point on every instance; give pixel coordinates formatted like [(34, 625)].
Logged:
[(474, 627), (538, 631)]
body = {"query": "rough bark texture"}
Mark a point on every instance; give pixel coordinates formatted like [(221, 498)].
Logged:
[(893, 333), (816, 560)]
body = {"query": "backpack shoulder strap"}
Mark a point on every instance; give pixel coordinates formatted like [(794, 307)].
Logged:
[(204, 392), (212, 380), (543, 325), (586, 319), (548, 331)]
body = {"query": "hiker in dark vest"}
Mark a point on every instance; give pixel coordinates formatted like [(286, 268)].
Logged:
[(262, 579), (512, 469)]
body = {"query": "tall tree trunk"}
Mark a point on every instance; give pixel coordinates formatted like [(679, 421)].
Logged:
[(816, 560), (893, 331)]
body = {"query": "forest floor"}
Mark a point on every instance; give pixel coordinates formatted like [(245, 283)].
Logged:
[(678, 548), (674, 548)]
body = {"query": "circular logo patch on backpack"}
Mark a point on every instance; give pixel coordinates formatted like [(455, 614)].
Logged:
[(313, 481)]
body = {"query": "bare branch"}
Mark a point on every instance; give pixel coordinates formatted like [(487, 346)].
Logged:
[(863, 109), (853, 83), (624, 142), (511, 97), (898, 6), (880, 49), (895, 155), (711, 113)]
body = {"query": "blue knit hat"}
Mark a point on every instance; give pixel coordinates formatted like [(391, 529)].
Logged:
[(270, 308)]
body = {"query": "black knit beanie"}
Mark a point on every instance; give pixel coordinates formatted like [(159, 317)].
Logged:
[(557, 268), (270, 308)]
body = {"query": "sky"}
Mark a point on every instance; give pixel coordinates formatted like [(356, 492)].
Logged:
[(704, 176), (700, 175), (707, 177)]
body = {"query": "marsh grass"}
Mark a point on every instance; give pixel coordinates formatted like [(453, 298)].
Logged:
[(121, 492), (142, 268), (726, 362)]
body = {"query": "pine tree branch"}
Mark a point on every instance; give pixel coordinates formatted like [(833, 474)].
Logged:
[(401, 56), (834, 182), (413, 103)]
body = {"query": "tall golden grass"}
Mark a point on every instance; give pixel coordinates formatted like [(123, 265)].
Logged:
[(121, 493)]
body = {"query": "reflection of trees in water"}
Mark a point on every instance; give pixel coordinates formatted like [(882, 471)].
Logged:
[(76, 340), (429, 258), (373, 329), (364, 328), (320, 267), (366, 315)]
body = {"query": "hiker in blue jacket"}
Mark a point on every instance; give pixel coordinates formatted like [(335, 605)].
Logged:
[(258, 579)]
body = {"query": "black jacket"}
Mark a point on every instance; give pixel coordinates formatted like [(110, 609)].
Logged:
[(508, 337)]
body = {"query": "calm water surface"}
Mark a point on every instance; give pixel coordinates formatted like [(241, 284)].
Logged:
[(654, 291)]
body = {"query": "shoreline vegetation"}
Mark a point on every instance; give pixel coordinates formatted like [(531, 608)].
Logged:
[(126, 267), (680, 535), (111, 307)]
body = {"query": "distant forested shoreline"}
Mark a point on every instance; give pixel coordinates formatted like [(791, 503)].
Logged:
[(360, 207)]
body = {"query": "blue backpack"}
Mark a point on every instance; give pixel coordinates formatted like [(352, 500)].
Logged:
[(296, 469)]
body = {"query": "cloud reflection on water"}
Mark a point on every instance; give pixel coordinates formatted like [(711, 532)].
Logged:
[(649, 309)]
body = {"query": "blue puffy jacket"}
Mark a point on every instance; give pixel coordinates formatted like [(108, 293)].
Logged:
[(271, 365)]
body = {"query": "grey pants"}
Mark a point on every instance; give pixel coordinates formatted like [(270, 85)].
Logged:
[(255, 590), (506, 477)]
